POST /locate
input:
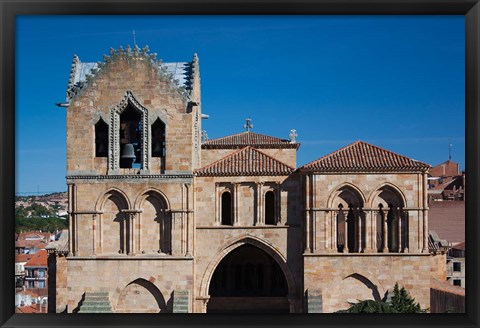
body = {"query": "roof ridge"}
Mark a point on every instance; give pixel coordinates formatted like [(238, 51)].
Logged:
[(361, 153), (248, 133), (247, 164)]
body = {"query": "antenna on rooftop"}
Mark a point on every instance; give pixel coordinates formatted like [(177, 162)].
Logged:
[(449, 150), (134, 40)]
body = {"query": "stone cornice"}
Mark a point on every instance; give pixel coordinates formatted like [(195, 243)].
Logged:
[(130, 176)]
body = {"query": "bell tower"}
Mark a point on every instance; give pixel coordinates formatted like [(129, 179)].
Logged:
[(133, 141)]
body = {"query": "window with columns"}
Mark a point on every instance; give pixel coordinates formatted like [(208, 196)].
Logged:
[(350, 223), (392, 222)]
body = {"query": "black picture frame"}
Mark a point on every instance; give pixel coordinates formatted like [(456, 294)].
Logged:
[(9, 9)]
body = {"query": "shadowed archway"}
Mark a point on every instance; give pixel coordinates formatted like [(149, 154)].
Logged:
[(248, 280)]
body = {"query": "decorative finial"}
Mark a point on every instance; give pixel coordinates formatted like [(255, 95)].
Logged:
[(248, 126), (204, 137), (293, 136)]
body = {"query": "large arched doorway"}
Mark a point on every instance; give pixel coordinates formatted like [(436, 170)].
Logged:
[(248, 280)]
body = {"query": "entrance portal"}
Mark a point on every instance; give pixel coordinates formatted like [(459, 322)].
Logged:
[(248, 280)]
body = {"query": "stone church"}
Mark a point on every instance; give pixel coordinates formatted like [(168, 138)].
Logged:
[(162, 220)]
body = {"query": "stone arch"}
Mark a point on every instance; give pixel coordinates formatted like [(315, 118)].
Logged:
[(350, 287), (371, 282), (349, 187), (255, 241), (144, 193), (129, 99), (139, 296), (392, 220), (350, 221), (389, 187), (112, 191), (113, 226), (155, 222)]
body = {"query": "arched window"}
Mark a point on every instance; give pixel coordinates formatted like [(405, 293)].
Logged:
[(158, 139), (131, 139), (227, 208), (270, 207), (101, 139)]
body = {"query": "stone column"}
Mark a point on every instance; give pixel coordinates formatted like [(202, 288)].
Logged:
[(236, 203), (189, 219), (345, 237), (70, 219), (334, 246), (385, 232), (100, 241), (399, 227), (371, 232), (259, 220), (94, 232), (425, 214), (307, 214), (358, 216), (278, 203), (368, 231), (218, 209), (406, 235)]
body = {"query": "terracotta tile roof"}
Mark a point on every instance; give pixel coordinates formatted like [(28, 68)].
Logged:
[(361, 156), (247, 161), (28, 309), (23, 257), (249, 138), (38, 260), (38, 235)]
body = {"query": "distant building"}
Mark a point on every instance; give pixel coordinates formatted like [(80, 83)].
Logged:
[(36, 271), (31, 242), (447, 220), (20, 261), (456, 265), (446, 182)]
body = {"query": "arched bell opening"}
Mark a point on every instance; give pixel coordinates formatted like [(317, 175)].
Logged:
[(248, 280), (392, 221), (350, 220)]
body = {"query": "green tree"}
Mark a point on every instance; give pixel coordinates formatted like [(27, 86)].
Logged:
[(401, 302), (369, 306)]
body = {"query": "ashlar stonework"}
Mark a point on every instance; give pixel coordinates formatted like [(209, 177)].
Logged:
[(161, 222)]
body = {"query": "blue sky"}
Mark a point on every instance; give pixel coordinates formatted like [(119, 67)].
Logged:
[(394, 81)]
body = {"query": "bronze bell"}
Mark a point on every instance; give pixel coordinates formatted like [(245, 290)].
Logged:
[(128, 152)]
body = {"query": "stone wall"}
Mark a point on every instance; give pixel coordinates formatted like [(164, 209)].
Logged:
[(348, 278), (129, 281)]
